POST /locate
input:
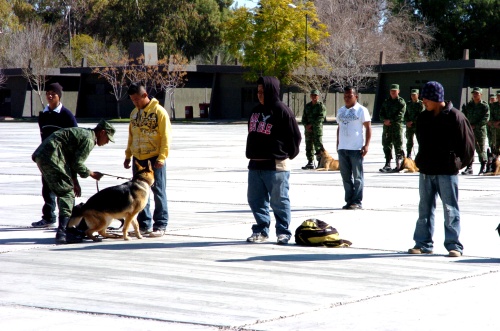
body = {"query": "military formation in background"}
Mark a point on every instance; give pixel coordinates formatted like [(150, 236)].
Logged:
[(413, 108), (392, 115), (312, 119), (493, 127)]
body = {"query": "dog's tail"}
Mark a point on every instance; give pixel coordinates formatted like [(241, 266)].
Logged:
[(76, 215)]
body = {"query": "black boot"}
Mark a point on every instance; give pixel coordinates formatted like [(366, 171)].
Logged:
[(399, 163), (61, 230), (481, 170), (308, 166), (387, 167), (468, 170)]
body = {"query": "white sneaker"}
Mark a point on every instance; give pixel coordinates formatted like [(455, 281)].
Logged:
[(256, 238), (283, 239), (157, 233)]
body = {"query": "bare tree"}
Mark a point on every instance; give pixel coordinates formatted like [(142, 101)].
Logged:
[(116, 76), (171, 75), (34, 50), (358, 31)]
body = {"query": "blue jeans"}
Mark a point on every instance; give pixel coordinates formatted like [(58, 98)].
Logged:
[(447, 188), (160, 214), (269, 188), (351, 170)]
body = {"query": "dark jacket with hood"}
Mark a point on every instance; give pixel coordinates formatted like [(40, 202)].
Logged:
[(446, 142), (273, 133)]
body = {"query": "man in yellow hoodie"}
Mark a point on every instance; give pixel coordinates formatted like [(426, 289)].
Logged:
[(149, 140)]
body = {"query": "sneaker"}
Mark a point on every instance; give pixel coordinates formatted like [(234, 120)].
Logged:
[(417, 250), (386, 168), (283, 239), (468, 171), (256, 238), (145, 232), (454, 253), (354, 206), (157, 233), (308, 166), (346, 206), (43, 224)]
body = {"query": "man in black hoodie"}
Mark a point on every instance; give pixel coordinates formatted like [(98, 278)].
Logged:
[(273, 138), (446, 145)]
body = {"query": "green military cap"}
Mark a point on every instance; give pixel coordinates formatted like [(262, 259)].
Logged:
[(394, 86), (493, 95), (498, 92), (414, 91), (315, 92), (477, 89), (110, 130)]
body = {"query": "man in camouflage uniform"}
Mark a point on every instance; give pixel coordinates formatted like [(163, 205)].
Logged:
[(61, 158), (477, 112), (413, 109), (391, 114), (312, 119), (494, 124)]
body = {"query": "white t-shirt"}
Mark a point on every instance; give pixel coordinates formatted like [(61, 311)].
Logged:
[(351, 127)]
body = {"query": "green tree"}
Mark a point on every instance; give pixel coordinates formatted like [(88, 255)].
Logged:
[(461, 24), (270, 39)]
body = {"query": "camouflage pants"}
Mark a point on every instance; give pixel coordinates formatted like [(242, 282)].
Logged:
[(392, 136), (60, 182), (410, 133), (314, 141), (493, 139), (480, 135)]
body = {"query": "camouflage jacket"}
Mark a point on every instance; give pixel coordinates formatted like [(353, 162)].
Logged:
[(477, 114), (69, 146), (495, 111), (393, 109), (314, 114), (413, 109)]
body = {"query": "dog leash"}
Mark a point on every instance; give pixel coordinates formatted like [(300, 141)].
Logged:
[(117, 177)]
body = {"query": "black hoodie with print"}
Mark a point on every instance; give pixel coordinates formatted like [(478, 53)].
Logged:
[(273, 133)]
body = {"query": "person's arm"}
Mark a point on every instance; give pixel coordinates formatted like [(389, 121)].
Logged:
[(368, 137)]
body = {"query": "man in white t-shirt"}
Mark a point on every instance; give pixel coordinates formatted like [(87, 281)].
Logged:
[(352, 146)]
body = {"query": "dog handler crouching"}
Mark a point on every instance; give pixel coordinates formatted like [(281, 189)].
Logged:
[(61, 158)]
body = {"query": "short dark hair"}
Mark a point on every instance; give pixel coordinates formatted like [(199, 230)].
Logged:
[(136, 88), (351, 88)]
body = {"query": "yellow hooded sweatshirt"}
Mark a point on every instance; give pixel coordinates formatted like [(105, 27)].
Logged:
[(150, 132)]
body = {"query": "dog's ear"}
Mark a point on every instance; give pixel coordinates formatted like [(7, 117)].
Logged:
[(149, 165), (139, 167)]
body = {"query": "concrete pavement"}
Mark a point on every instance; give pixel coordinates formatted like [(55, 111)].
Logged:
[(203, 275)]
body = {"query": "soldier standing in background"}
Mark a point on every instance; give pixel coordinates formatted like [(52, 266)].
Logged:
[(477, 112), (391, 114), (312, 119), (413, 109), (494, 124)]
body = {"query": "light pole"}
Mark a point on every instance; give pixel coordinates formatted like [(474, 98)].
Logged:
[(69, 30)]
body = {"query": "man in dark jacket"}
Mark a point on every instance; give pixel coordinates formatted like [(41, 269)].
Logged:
[(54, 117), (446, 145), (273, 138)]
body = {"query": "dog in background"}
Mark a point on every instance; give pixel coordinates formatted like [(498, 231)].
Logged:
[(123, 201), (493, 164), (327, 162), (407, 165)]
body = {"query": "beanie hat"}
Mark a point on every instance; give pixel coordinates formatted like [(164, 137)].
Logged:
[(433, 91), (56, 87)]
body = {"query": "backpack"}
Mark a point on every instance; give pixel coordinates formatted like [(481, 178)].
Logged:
[(313, 232)]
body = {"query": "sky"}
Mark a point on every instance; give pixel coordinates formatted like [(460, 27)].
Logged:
[(246, 3)]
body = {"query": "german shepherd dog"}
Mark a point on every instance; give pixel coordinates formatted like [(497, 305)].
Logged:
[(115, 202), (327, 162), (408, 165), (493, 164)]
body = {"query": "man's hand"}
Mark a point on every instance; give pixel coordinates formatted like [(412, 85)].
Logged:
[(364, 150), (387, 122), (77, 188), (409, 124), (96, 175), (158, 164), (309, 127), (126, 164)]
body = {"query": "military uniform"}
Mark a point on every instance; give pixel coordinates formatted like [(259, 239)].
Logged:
[(314, 115), (413, 109), (478, 115), (494, 133), (392, 135)]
